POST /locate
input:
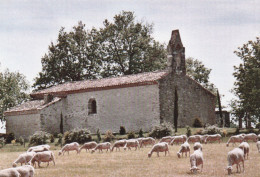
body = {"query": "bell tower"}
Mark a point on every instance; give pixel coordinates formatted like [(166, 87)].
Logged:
[(176, 54)]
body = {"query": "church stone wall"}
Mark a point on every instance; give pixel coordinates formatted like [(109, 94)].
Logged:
[(23, 125), (132, 107), (193, 101)]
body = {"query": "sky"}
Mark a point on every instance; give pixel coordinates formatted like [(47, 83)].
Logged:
[(210, 30)]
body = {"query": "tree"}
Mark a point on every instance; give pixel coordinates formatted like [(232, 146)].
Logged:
[(247, 84), (127, 47), (13, 90), (197, 71), (72, 58)]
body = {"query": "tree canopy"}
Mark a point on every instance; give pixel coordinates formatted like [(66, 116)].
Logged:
[(247, 84), (13, 90)]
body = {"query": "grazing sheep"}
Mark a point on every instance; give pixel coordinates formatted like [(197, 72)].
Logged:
[(159, 147), (235, 157), (178, 139), (213, 138), (88, 146), (250, 136), (102, 146), (147, 141), (166, 139), (140, 140), (196, 159), (235, 139), (258, 146), (9, 172), (194, 138), (39, 149), (245, 147), (40, 146), (185, 147), (24, 158), (131, 143), (45, 156), (26, 171), (70, 147), (197, 146), (118, 144)]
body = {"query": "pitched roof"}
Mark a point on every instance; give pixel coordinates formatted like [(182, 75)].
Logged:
[(29, 107), (148, 78)]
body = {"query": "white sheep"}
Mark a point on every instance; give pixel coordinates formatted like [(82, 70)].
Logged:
[(39, 149), (88, 146), (166, 139), (235, 157), (235, 139), (196, 159), (147, 141), (250, 136), (178, 139), (26, 171), (258, 146), (118, 144), (70, 147), (197, 146), (213, 138), (245, 147), (185, 147), (194, 138), (131, 143), (159, 147), (203, 138), (102, 146), (39, 146), (9, 172), (139, 140), (24, 158), (45, 156)]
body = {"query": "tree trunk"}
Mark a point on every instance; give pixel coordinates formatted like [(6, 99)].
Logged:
[(240, 122), (176, 110)]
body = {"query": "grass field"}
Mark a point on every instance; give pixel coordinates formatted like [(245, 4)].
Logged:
[(136, 163)]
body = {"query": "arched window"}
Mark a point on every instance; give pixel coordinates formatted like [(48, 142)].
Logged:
[(92, 106)]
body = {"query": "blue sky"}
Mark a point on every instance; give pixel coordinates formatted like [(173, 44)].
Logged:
[(210, 30)]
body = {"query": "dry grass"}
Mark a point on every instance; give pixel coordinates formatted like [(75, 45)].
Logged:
[(136, 163)]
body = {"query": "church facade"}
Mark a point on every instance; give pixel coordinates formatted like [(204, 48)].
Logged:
[(134, 101)]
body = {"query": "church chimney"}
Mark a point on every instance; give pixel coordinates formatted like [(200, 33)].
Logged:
[(176, 54)]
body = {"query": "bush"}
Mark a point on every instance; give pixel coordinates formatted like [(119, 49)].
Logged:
[(237, 131), (9, 138), (257, 125), (20, 140), (211, 130), (197, 123), (77, 135), (188, 131), (141, 133), (122, 130), (59, 136), (98, 135), (52, 138), (164, 129), (2, 142), (39, 138), (131, 135), (109, 136)]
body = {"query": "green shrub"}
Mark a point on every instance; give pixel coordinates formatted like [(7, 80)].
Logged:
[(164, 129), (131, 135), (77, 135), (122, 130), (59, 136), (39, 138), (2, 142), (188, 131), (141, 133), (20, 140), (98, 135), (211, 130), (9, 137), (197, 123), (52, 138), (109, 136)]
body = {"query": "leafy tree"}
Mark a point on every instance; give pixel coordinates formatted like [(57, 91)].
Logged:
[(72, 58), (127, 47), (197, 71), (247, 84), (13, 90)]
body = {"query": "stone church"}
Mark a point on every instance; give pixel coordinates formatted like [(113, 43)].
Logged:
[(134, 101)]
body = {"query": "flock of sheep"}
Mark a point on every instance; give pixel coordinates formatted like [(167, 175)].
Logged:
[(42, 153)]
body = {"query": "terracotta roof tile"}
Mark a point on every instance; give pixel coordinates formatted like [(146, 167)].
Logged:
[(105, 83), (29, 107)]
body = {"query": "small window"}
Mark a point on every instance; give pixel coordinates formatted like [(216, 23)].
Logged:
[(92, 106)]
